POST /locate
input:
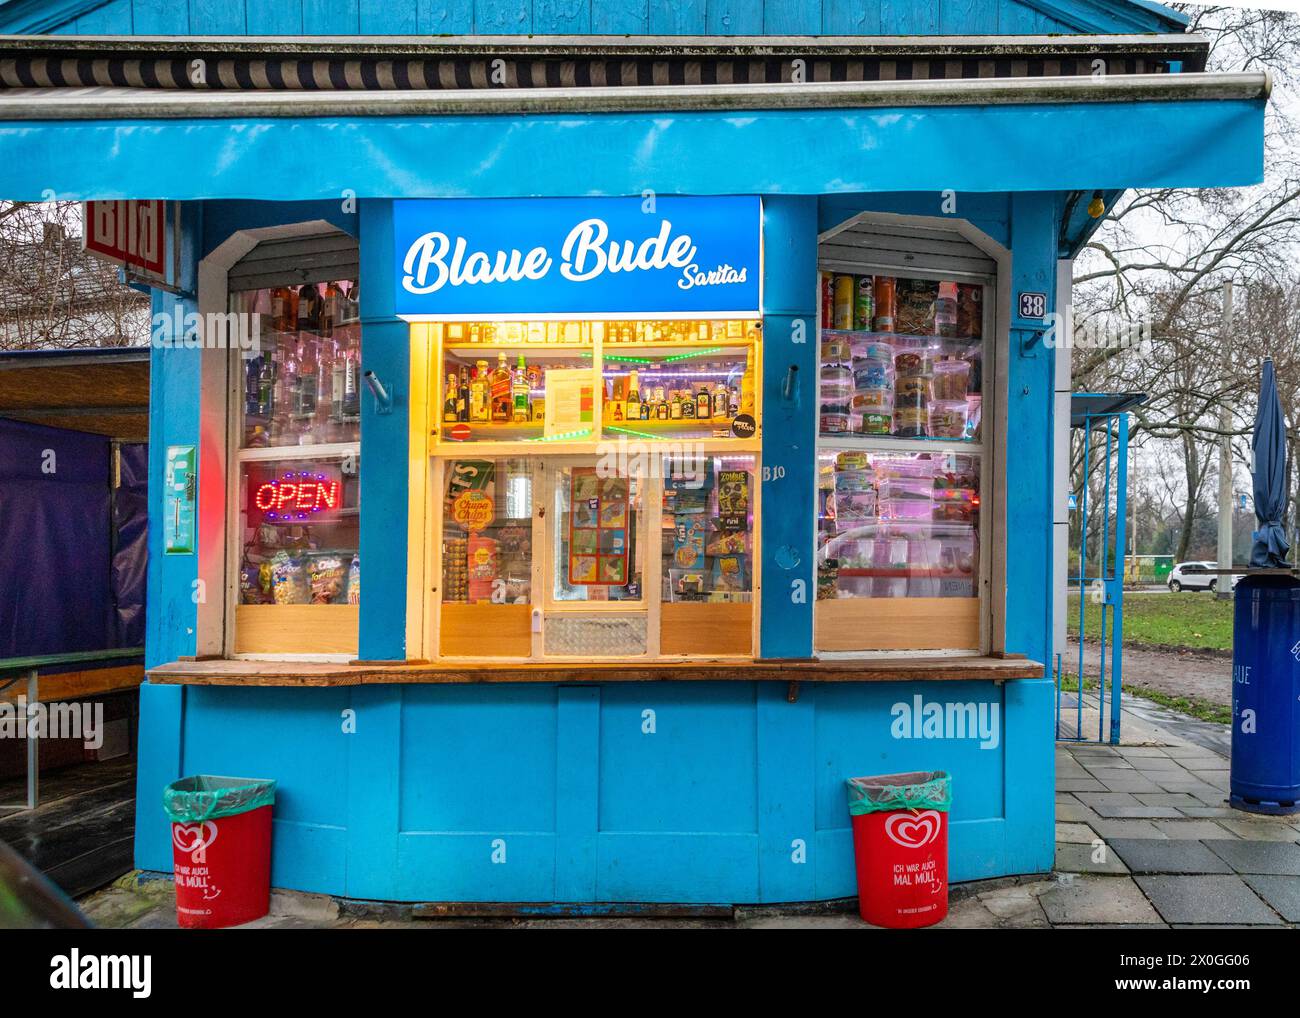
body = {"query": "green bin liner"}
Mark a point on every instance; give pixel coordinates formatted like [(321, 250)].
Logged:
[(210, 797), (913, 790)]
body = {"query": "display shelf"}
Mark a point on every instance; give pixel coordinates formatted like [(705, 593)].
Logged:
[(888, 444)]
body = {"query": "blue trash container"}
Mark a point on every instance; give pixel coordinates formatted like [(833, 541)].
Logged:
[(1265, 776)]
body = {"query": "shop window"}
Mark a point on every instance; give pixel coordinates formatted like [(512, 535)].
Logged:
[(598, 539), (297, 501), (900, 462), (580, 381), (487, 557)]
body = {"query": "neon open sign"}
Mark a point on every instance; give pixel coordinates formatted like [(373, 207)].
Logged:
[(298, 495)]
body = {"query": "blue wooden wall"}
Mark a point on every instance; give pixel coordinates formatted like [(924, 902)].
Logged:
[(582, 17)]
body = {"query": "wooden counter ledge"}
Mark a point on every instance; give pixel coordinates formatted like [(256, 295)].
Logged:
[(876, 669)]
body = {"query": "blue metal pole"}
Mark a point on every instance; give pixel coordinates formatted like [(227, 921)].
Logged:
[(1104, 577), (1083, 569), (1117, 596)]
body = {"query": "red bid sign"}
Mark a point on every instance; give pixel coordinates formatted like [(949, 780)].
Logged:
[(297, 496)]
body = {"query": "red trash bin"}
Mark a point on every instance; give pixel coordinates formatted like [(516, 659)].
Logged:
[(900, 846), (221, 849)]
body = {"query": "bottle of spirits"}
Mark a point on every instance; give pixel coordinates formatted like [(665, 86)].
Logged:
[(331, 308), (450, 411), (519, 390), (703, 403), (284, 309), (351, 380), (308, 308), (675, 407), (462, 396), (502, 390), (633, 409), (479, 406), (721, 402), (337, 382)]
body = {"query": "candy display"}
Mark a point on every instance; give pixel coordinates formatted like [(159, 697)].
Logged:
[(487, 532), (906, 377), (708, 532), (893, 525)]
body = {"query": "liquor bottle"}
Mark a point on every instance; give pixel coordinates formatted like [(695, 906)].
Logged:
[(337, 382), (252, 370), (450, 411), (519, 389), (284, 309), (351, 379), (501, 390), (633, 409), (266, 375), (479, 406), (331, 308), (721, 402), (703, 403), (304, 401), (703, 333), (352, 304), (646, 411), (675, 407), (462, 396), (661, 411), (309, 302)]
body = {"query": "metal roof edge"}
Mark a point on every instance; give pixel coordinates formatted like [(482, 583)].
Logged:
[(18, 104), (683, 45)]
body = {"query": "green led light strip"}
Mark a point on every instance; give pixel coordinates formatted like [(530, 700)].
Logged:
[(563, 436), (630, 431)]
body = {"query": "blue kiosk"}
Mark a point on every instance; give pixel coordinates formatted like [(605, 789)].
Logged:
[(576, 452)]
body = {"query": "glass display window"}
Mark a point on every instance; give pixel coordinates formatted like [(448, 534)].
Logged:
[(598, 537), (901, 463), (296, 404), (901, 357), (577, 382)]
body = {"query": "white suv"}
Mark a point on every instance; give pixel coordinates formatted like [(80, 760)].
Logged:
[(1196, 576)]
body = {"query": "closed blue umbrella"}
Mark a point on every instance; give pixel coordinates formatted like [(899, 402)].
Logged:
[(1268, 446)]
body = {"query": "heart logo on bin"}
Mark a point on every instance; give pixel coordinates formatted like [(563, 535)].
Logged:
[(913, 831), (194, 838)]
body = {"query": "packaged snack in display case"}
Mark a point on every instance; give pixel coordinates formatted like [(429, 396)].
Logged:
[(845, 291), (863, 302), (951, 379), (354, 580), (885, 301), (970, 310), (288, 579), (948, 419), (482, 566), (327, 576), (916, 307)]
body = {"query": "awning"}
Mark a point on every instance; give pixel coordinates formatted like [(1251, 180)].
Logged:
[(102, 390), (1015, 134)]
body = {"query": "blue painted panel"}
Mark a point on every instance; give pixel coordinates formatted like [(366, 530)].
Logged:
[(273, 17), (792, 17), (436, 18), (682, 17), (695, 772), (577, 792), (479, 758), (217, 17), (968, 17), (502, 17), (1210, 143), (111, 19), (292, 735), (851, 17), (331, 17), (389, 17), (502, 865), (703, 869), (385, 350), (788, 856), (857, 733), (561, 17), (374, 750), (734, 17), (160, 17), (909, 17), (158, 764), (772, 17), (620, 17), (1031, 782), (789, 424)]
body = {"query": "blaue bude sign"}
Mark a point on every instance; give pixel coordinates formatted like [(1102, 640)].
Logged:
[(470, 257)]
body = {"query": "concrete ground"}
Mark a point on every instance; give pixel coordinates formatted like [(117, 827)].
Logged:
[(1143, 838)]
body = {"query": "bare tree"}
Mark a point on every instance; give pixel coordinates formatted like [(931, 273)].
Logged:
[(53, 294)]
